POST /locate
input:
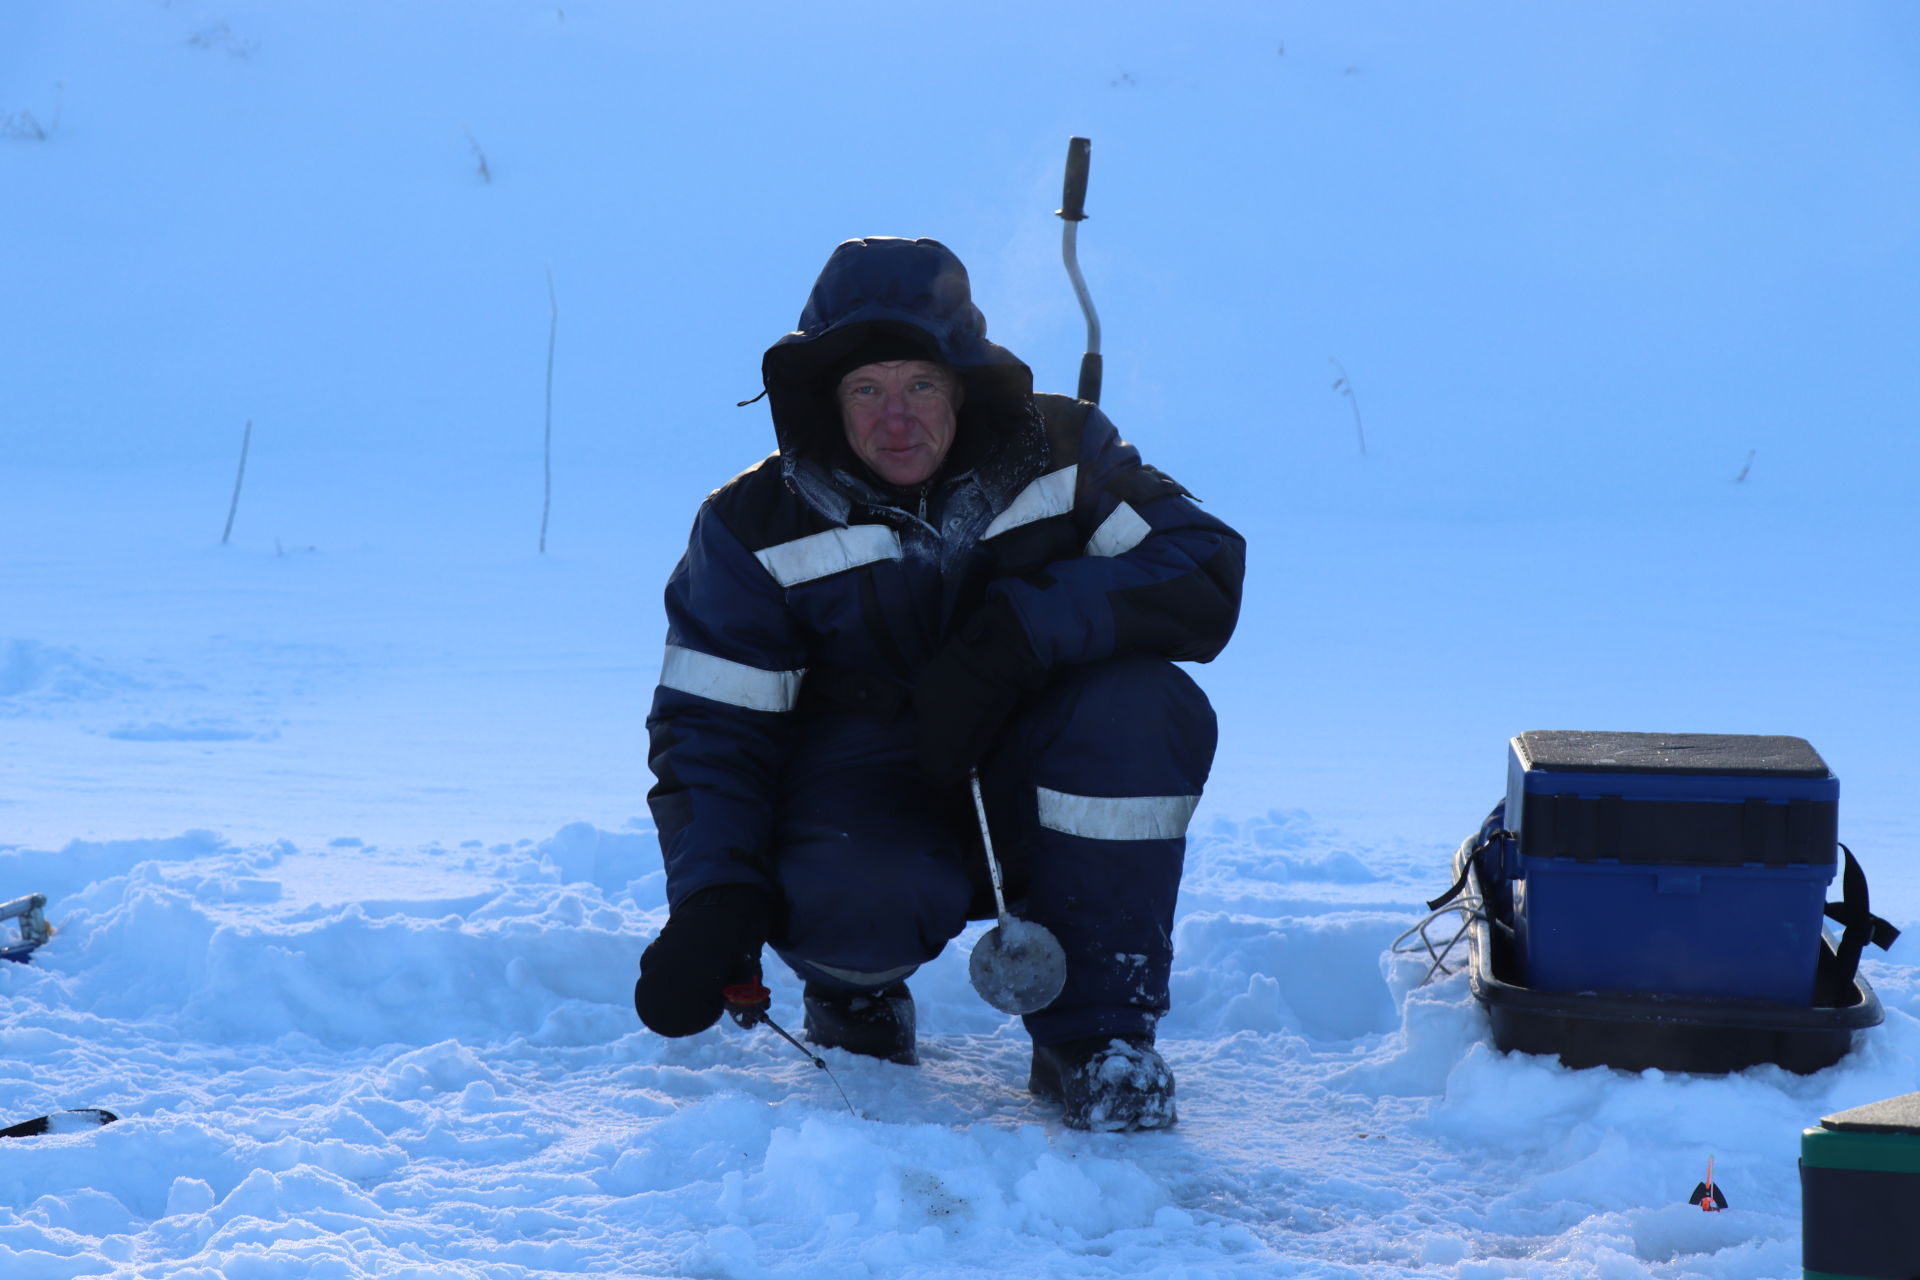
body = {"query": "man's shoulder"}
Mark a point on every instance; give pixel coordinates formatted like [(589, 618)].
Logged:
[(761, 482), (759, 508), (1080, 429)]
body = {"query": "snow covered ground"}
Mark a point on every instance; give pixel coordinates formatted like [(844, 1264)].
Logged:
[(342, 823)]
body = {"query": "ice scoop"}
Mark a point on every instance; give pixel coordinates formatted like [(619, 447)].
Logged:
[(1017, 966)]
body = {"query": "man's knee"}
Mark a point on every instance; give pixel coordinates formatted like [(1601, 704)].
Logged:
[(856, 915), (1136, 721)]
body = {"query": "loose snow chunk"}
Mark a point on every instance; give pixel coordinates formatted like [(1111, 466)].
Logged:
[(189, 1195), (1090, 1197), (447, 1067), (299, 1193)]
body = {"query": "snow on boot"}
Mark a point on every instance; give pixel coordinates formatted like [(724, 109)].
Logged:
[(1105, 1083), (876, 1024)]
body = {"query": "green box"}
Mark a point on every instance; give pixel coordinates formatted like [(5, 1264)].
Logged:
[(1859, 1192)]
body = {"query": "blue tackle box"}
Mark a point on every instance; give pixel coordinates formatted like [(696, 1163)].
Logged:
[(1690, 865)]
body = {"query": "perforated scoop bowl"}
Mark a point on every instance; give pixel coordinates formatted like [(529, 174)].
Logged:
[(1018, 966)]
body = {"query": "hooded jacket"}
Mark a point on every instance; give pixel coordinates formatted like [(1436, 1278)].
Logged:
[(806, 563)]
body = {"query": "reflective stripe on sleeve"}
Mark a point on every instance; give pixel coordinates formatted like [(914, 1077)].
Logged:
[(1116, 817), (1050, 495), (1119, 533), (819, 555), (734, 683)]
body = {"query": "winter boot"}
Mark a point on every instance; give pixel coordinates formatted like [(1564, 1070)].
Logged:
[(878, 1024), (1105, 1083)]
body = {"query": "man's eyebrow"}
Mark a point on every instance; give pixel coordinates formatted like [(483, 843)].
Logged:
[(934, 369)]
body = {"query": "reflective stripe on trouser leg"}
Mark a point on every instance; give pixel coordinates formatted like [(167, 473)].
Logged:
[(857, 978), (1115, 817)]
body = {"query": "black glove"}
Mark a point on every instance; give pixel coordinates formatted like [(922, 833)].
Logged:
[(967, 691), (711, 941)]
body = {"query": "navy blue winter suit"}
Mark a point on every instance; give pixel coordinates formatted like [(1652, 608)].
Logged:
[(812, 595)]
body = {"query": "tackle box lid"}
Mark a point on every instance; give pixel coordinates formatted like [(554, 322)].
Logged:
[(1879, 1138), (1698, 754), (1892, 1115)]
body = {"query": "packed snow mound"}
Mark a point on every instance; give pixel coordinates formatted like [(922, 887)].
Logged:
[(36, 677), (373, 1061)]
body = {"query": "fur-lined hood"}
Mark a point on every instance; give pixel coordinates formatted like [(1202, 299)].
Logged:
[(911, 295)]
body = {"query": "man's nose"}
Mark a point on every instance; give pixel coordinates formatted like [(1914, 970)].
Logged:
[(894, 410)]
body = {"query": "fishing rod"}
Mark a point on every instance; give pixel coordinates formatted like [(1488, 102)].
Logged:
[(748, 1002)]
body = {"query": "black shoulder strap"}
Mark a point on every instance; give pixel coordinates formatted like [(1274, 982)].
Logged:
[(1064, 417), (1859, 925)]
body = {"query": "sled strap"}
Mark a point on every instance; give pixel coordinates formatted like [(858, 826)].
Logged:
[(1466, 867), (1859, 925)]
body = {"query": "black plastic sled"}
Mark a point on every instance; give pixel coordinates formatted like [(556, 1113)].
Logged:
[(1634, 1032)]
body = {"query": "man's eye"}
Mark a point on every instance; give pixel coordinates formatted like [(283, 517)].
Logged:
[(923, 386)]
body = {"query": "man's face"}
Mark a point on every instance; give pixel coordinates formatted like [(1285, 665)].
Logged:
[(899, 417)]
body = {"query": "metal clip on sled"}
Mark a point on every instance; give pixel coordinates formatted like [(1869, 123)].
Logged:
[(30, 911)]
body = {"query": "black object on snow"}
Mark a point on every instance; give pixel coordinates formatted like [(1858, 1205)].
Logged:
[(1702, 1193), (78, 1120)]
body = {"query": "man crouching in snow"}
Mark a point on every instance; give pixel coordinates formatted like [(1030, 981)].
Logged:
[(938, 570)]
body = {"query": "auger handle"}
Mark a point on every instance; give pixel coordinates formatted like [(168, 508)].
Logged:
[(1073, 198), (1073, 211)]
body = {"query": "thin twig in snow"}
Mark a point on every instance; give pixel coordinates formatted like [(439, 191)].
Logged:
[(553, 332), (1344, 385), (21, 124), (246, 439), (479, 158)]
